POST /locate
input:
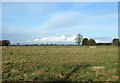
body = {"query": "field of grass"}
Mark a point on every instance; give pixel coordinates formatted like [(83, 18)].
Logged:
[(59, 63)]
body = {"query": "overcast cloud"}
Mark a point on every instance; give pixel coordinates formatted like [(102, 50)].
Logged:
[(59, 22)]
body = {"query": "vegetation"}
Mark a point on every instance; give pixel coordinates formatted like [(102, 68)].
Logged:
[(4, 43), (116, 42), (78, 38), (91, 42), (60, 63), (88, 42), (85, 41)]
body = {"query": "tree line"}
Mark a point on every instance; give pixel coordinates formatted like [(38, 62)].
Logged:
[(91, 42), (79, 40), (5, 43)]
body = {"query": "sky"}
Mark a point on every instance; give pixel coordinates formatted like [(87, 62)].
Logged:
[(58, 22)]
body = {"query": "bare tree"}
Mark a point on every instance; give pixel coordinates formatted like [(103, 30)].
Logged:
[(78, 38)]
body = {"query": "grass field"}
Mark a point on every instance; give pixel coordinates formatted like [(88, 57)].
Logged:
[(59, 63)]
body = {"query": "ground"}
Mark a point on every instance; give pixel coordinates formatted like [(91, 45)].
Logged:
[(60, 63)]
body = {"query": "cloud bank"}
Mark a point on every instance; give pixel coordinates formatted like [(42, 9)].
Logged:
[(62, 39), (42, 22)]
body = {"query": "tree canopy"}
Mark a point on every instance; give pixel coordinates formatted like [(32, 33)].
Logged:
[(91, 42), (115, 41), (85, 41), (4, 43), (78, 38)]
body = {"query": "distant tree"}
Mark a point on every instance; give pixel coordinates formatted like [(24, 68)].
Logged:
[(85, 41), (78, 38), (115, 41), (91, 42), (0, 43), (5, 43), (18, 43)]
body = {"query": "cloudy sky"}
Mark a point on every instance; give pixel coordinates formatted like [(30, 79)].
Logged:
[(59, 22)]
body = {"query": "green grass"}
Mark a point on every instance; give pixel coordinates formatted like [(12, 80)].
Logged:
[(51, 63)]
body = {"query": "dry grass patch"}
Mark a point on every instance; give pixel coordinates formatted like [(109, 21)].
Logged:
[(56, 62), (59, 75), (15, 71), (97, 68), (38, 72)]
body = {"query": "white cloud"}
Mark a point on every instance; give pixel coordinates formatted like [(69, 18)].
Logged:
[(99, 41), (111, 16), (62, 39), (14, 29), (51, 39), (70, 20), (56, 40), (61, 20), (72, 38)]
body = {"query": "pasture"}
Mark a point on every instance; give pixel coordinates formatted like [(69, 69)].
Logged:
[(59, 63)]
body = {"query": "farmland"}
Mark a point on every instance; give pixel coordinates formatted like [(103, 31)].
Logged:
[(59, 63)]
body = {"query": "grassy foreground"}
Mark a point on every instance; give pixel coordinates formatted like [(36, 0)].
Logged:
[(58, 63)]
